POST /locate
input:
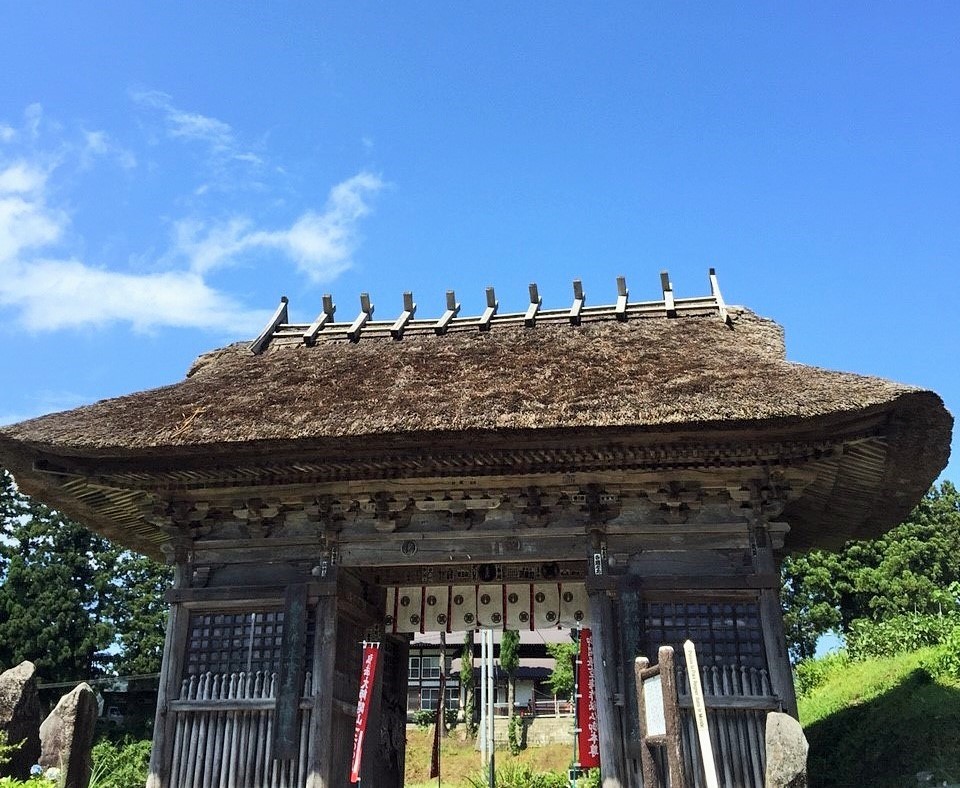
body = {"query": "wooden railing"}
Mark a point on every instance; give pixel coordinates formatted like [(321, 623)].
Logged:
[(224, 733), (737, 700)]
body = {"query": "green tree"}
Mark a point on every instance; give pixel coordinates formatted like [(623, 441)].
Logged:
[(914, 568), (466, 682), (139, 613), (69, 598), (509, 662), (561, 677), (55, 592)]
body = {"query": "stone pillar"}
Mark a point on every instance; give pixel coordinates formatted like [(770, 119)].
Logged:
[(66, 737), (20, 718)]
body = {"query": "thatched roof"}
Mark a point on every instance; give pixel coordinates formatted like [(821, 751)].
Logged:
[(649, 373), (694, 373)]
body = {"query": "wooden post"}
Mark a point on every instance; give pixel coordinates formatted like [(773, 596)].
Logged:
[(172, 666), (670, 735), (630, 620), (771, 621), (649, 768), (319, 765), (606, 653), (286, 728)]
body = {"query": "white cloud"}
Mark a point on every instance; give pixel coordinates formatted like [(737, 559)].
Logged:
[(51, 292), (33, 115), (97, 144), (22, 178), (194, 127), (320, 243), (49, 284), (7, 133), (83, 295)]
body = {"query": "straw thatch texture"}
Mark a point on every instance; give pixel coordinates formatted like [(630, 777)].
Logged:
[(643, 374)]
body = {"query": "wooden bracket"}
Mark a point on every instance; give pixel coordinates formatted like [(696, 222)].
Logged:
[(409, 310), (279, 317), (453, 309), (715, 292), (578, 301), (620, 310), (366, 312), (530, 317), (326, 316), (668, 303), (490, 311)]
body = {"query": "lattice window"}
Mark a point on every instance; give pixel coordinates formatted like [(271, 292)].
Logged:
[(725, 632), (231, 642)]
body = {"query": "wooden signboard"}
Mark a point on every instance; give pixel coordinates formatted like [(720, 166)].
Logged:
[(659, 716)]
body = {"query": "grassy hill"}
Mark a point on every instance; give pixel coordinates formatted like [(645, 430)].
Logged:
[(880, 722)]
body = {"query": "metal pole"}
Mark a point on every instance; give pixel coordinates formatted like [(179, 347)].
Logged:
[(491, 698), (483, 698)]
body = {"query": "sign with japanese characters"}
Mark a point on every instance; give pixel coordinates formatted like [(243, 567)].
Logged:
[(368, 674), (588, 731)]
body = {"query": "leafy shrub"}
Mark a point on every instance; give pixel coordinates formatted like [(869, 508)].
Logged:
[(811, 673), (516, 739), (423, 718), (123, 765), (946, 659), (519, 775), (897, 634)]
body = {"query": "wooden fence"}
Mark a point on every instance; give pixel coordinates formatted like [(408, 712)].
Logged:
[(224, 733), (737, 700)]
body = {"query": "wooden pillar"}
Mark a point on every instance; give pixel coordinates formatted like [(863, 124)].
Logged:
[(771, 620), (171, 669), (630, 621), (320, 761), (606, 657)]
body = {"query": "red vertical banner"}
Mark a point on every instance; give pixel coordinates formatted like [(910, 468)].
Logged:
[(588, 731), (368, 673)]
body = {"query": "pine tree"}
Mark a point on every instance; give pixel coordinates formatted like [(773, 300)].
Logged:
[(70, 599)]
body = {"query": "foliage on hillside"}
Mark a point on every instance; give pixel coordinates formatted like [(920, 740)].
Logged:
[(881, 721), (913, 569)]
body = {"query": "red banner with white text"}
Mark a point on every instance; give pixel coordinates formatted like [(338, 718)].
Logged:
[(588, 731), (368, 674)]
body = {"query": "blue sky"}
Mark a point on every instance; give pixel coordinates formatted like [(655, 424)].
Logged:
[(168, 171)]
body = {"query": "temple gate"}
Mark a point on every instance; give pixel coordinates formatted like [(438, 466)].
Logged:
[(638, 468)]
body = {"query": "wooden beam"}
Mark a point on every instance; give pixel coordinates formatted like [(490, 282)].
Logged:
[(453, 309), (366, 312), (409, 310), (620, 309), (530, 316), (718, 297), (668, 301), (491, 309), (279, 317), (578, 301), (325, 317)]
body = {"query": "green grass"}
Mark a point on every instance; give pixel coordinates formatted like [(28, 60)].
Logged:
[(460, 761), (877, 723)]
